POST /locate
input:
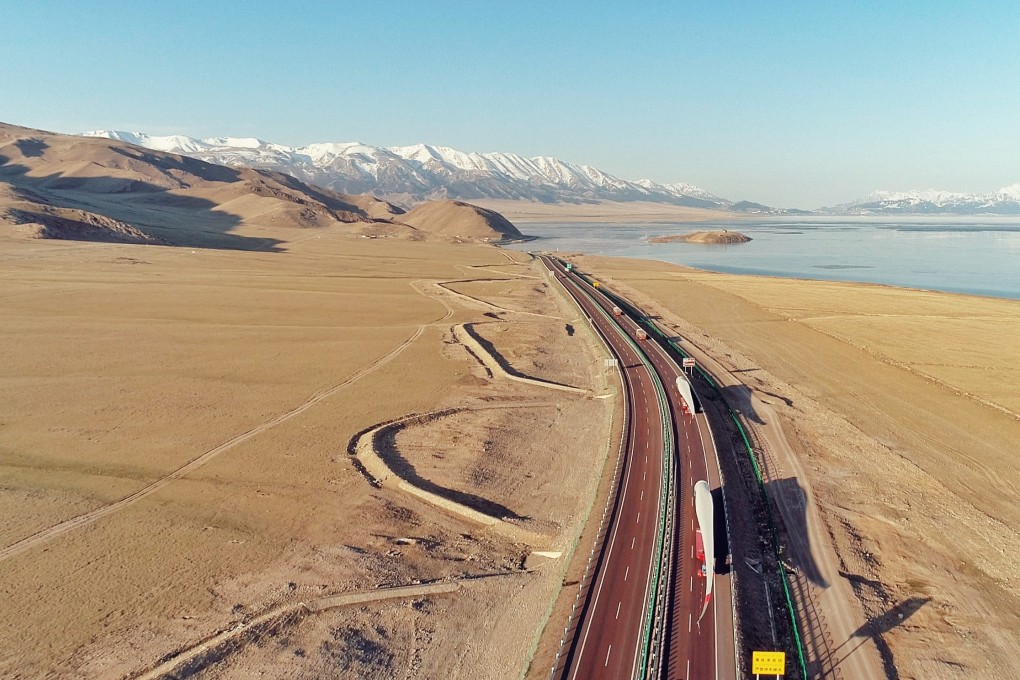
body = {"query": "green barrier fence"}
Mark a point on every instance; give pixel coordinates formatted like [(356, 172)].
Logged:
[(773, 531)]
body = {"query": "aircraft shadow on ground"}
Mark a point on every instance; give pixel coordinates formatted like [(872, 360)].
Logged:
[(878, 626), (739, 397), (789, 493), (185, 221), (385, 444)]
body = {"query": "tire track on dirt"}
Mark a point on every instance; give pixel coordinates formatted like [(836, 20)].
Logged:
[(291, 614), (85, 519), (478, 301), (372, 464), (79, 521)]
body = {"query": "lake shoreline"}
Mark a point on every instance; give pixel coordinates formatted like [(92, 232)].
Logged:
[(969, 258)]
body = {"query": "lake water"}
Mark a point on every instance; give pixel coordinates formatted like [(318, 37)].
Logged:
[(975, 257)]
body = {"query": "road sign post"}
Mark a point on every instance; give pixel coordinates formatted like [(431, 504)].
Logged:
[(688, 362), (769, 663)]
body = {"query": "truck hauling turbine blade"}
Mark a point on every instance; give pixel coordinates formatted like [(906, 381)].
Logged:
[(684, 388), (706, 532)]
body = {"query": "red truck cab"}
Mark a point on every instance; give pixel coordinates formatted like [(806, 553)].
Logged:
[(699, 549)]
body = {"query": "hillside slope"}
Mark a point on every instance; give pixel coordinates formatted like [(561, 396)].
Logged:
[(68, 187), (455, 219), (96, 189)]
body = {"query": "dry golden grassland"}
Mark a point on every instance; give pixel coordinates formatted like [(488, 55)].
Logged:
[(902, 406), (119, 364)]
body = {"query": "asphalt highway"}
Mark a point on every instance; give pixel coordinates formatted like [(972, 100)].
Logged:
[(612, 632), (614, 625)]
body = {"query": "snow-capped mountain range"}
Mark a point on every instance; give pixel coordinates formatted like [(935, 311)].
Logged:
[(1005, 201), (409, 174)]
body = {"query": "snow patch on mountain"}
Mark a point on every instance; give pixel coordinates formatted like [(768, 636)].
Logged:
[(1010, 193)]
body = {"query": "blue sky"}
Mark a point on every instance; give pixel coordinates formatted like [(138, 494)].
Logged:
[(786, 103)]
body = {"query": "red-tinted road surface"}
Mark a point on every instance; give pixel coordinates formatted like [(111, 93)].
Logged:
[(613, 627), (612, 632)]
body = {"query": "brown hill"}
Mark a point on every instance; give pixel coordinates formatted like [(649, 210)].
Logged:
[(723, 236), (63, 186), (460, 221)]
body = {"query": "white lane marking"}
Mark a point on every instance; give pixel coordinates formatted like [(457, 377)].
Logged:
[(618, 609), (634, 538), (608, 652), (644, 475), (642, 495), (626, 573), (692, 584), (689, 617), (688, 673), (638, 520), (609, 556)]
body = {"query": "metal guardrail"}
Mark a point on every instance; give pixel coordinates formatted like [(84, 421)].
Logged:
[(773, 531), (665, 506)]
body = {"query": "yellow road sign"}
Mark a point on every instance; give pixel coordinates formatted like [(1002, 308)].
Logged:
[(595, 284), (768, 663)]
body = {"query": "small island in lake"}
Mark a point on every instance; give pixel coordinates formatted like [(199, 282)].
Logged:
[(724, 236)]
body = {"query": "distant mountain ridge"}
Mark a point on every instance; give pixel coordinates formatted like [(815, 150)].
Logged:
[(410, 174), (1005, 201)]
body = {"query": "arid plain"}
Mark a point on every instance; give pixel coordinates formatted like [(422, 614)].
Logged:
[(124, 363)]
